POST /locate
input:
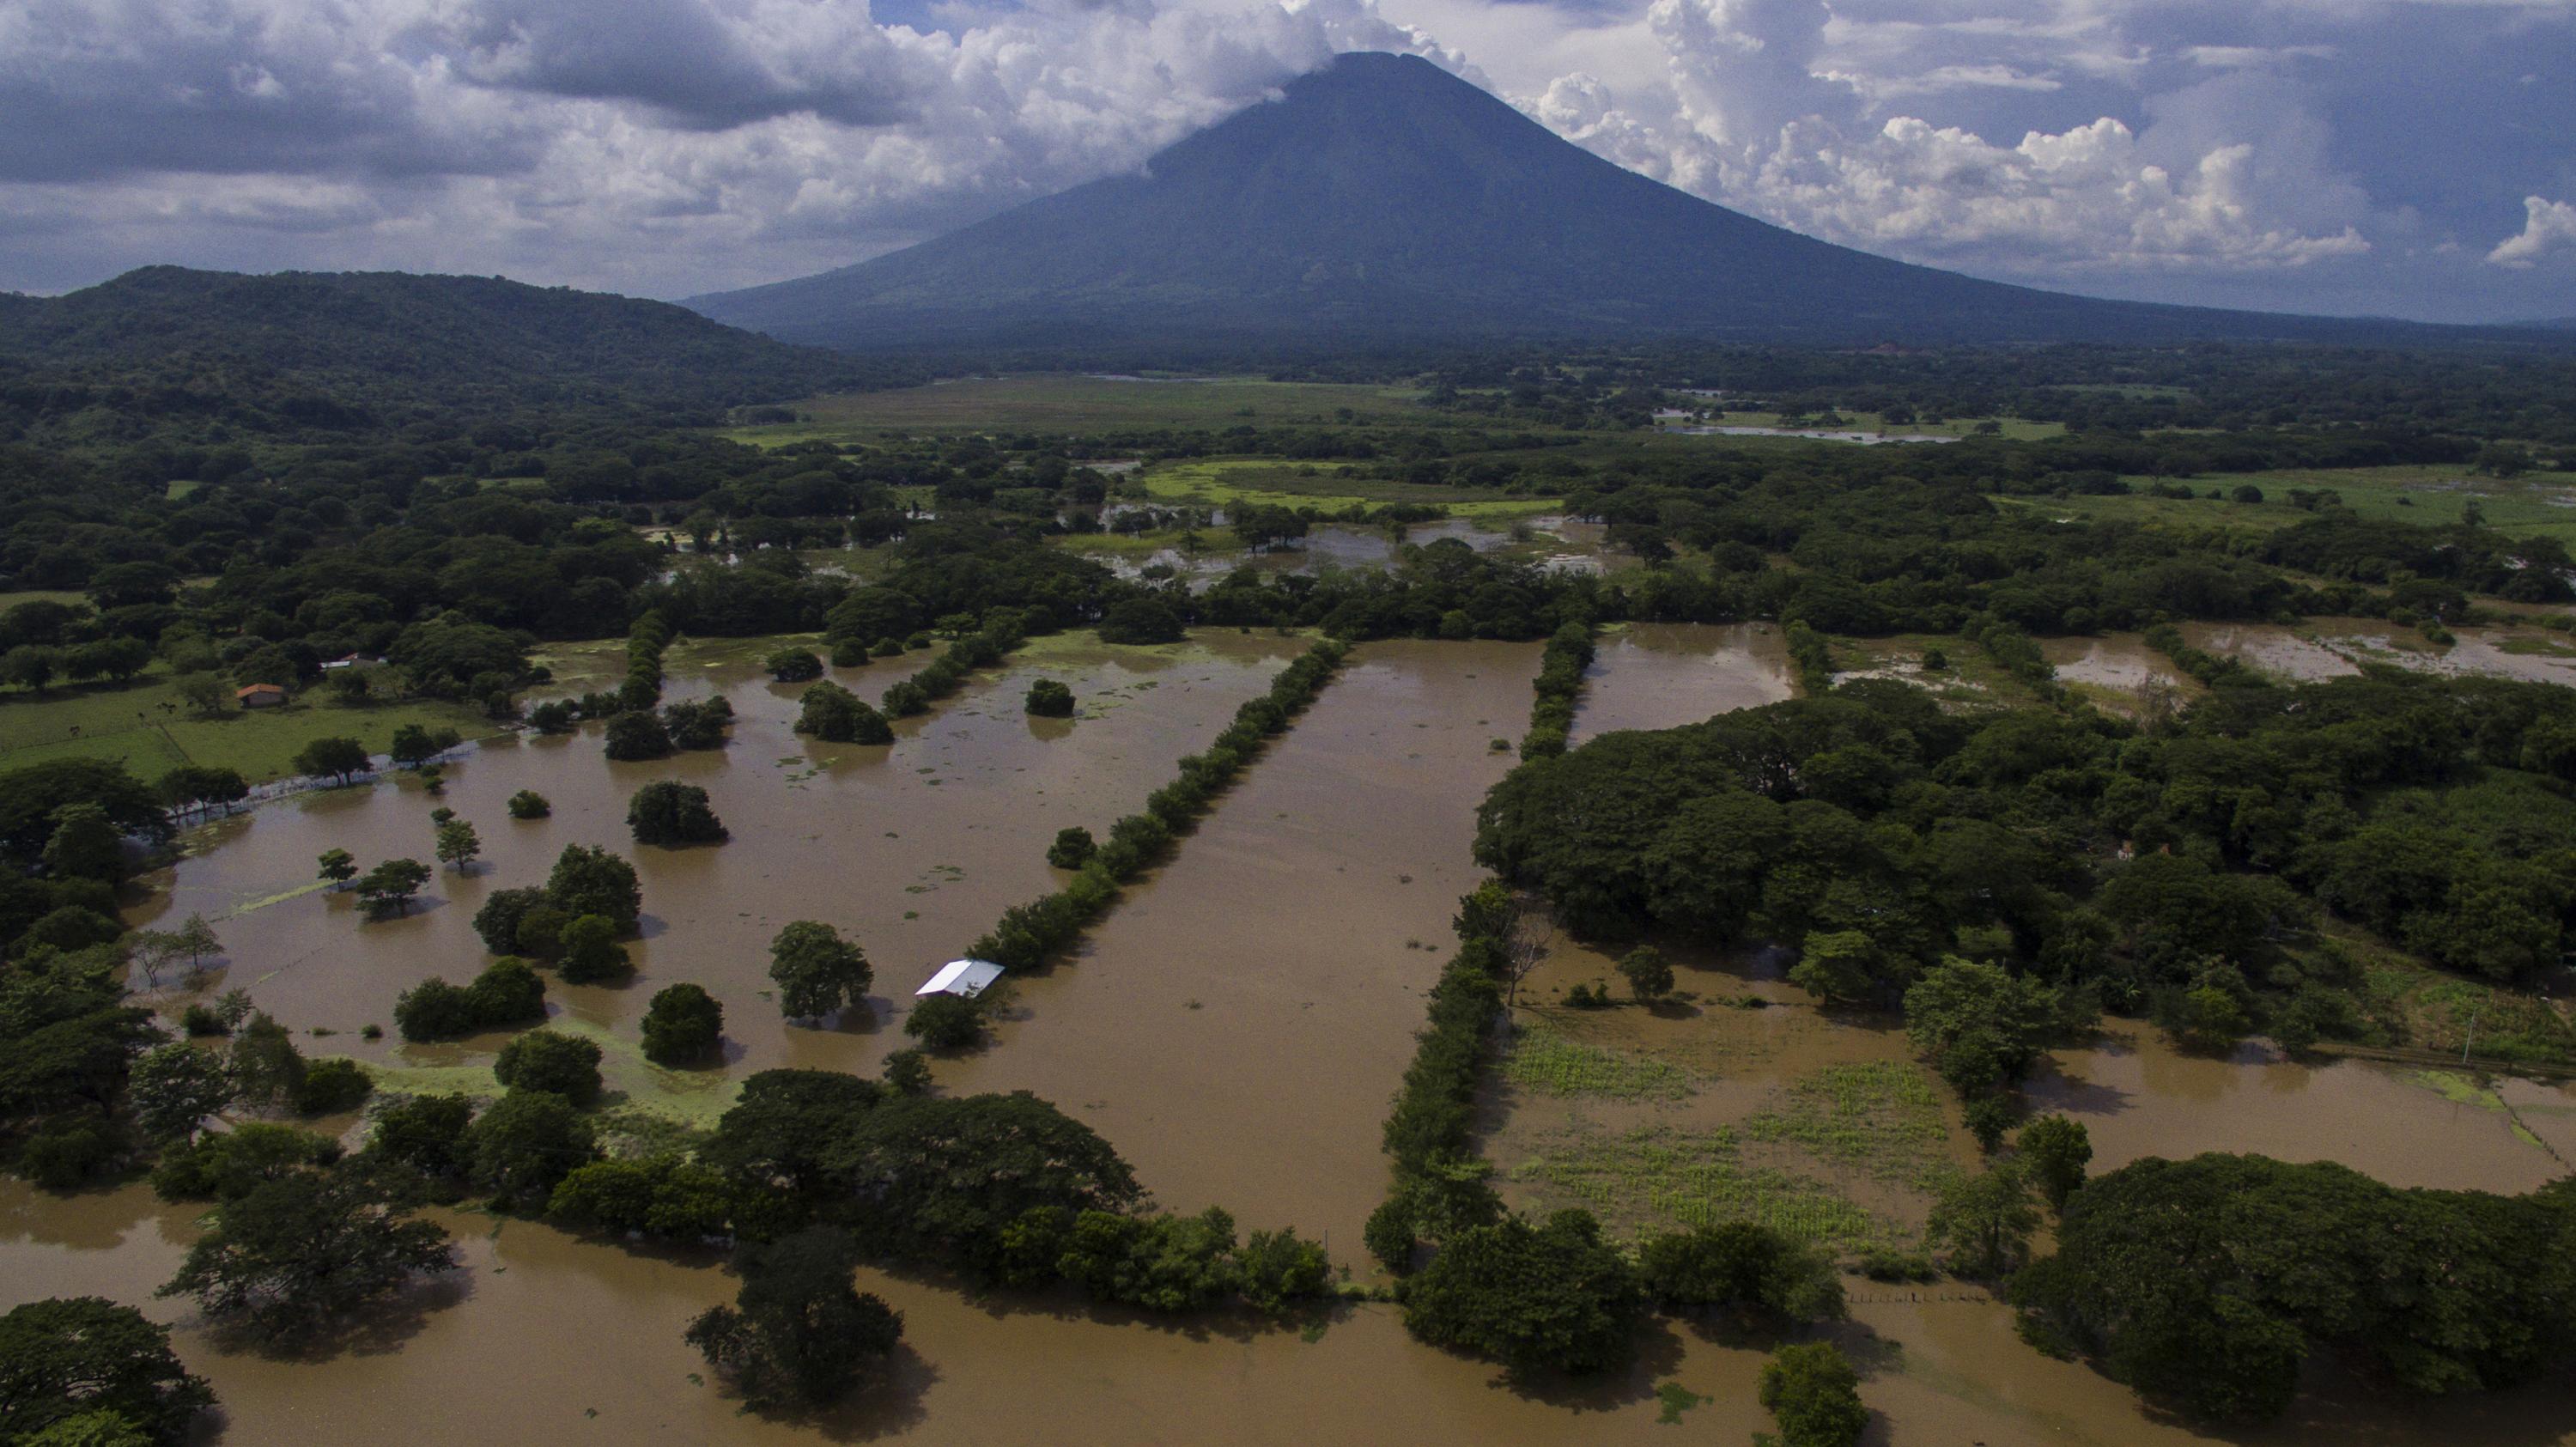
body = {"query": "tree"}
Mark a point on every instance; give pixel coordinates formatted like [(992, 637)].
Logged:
[(1812, 1391), (524, 1145), (938, 1178), (1981, 1026), (342, 759), (799, 1333), (301, 1250), (2056, 1150), (591, 952), (111, 658), (30, 667), (529, 804), (267, 1070), (682, 1025), (907, 1072), (816, 971), (64, 1360), (174, 1088), (338, 867), (195, 938), (1049, 699), (945, 1022), (332, 1086), (1649, 974), (1277, 1268), (588, 880), (668, 812), (565, 1065), (1072, 848), (191, 787), (1552, 1297), (206, 697), (457, 843), (425, 1132), (795, 665), (637, 734), (1140, 620), (835, 715), (1746, 1269), (85, 845), (1984, 1220), (227, 1166), (388, 888), (414, 744)]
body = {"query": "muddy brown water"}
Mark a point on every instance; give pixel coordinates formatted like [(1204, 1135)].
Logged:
[(2118, 666), (1663, 675), (1239, 1022), (1285, 918), (911, 849), (2337, 647)]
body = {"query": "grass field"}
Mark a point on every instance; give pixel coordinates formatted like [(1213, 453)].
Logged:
[(129, 724), (2014, 428), (1274, 482), (1065, 402), (2540, 504)]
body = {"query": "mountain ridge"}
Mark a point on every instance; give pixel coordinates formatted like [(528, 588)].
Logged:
[(408, 334), (1382, 199)]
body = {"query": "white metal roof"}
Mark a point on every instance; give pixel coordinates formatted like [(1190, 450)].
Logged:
[(962, 977)]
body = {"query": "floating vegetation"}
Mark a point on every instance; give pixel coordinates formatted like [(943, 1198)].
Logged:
[(1676, 1399), (1547, 1062)]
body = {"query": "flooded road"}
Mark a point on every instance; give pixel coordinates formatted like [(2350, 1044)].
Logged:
[(1663, 675), (1238, 1022)]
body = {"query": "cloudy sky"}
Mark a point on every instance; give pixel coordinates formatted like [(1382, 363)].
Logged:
[(2346, 156)]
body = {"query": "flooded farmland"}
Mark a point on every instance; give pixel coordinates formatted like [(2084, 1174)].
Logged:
[(1663, 675), (1239, 1021), (911, 849), (2337, 647), (1235, 1026)]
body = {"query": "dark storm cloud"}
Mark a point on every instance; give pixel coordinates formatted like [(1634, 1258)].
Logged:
[(694, 65)]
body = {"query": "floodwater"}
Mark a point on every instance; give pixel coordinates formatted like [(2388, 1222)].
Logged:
[(912, 849), (1235, 1026), (1238, 1023), (2120, 666), (2138, 1095), (2338, 647), (1663, 675), (1941, 1363), (1553, 542)]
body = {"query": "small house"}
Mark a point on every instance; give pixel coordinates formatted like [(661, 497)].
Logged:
[(967, 978), (260, 695), (350, 660)]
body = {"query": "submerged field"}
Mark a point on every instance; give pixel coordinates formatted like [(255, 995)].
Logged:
[(1236, 1026)]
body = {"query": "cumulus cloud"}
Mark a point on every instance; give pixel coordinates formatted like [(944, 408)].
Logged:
[(1789, 110), (2548, 226), (672, 146)]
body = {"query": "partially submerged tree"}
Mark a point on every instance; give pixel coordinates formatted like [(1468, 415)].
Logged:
[(297, 1252), (64, 1361), (388, 888), (682, 1025), (799, 1334), (816, 971)]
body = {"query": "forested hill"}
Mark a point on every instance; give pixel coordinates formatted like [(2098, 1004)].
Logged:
[(1382, 199), (356, 351)]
